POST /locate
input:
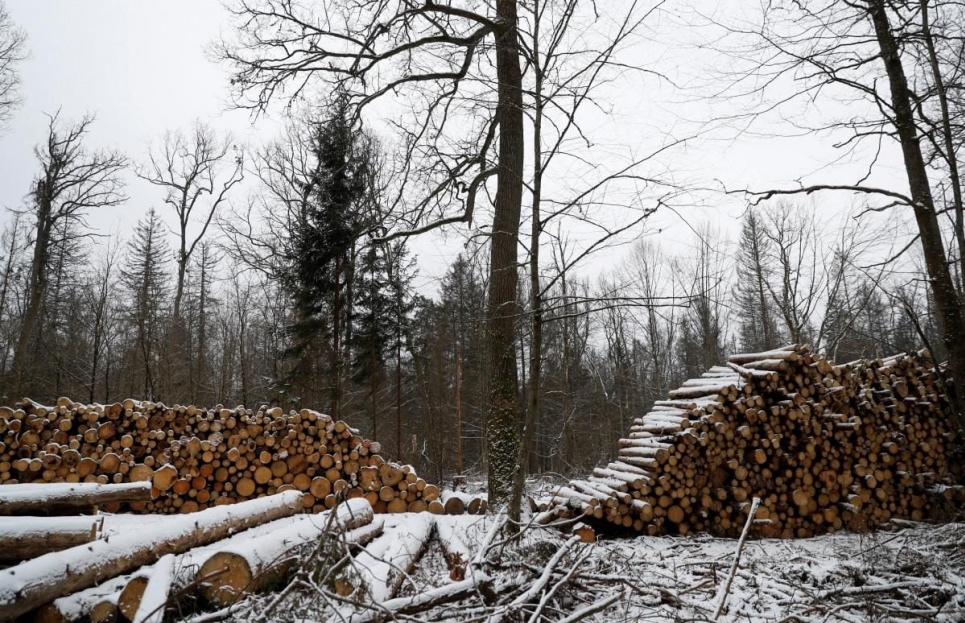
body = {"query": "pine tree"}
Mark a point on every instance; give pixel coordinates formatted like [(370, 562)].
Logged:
[(146, 280), (331, 220), (757, 318)]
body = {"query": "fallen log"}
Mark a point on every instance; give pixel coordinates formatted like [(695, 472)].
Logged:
[(36, 582), (22, 538), (383, 565), (244, 567), (456, 552), (65, 498), (133, 589), (155, 597), (78, 606)]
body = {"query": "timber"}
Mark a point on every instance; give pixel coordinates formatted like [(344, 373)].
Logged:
[(824, 447)]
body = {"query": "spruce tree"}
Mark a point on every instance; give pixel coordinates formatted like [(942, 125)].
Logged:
[(146, 280), (757, 317), (333, 216)]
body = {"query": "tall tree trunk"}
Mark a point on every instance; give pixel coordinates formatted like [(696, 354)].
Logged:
[(336, 362), (950, 156), (933, 248), (527, 447), (503, 424), (38, 285)]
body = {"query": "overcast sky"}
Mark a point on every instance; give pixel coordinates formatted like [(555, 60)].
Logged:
[(141, 68)]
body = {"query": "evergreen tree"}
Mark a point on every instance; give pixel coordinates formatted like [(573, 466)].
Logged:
[(757, 326), (323, 238), (146, 280)]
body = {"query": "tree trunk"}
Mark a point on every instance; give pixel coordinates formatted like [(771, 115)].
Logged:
[(67, 498), (38, 285), (39, 581), (933, 248), (336, 343), (950, 154), (503, 424), (536, 298)]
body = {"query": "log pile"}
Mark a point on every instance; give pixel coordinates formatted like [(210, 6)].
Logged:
[(823, 446), (197, 458)]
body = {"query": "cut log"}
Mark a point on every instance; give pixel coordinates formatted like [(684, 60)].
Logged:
[(385, 563), (41, 580), (155, 597), (456, 552), (78, 606), (59, 498), (22, 538), (235, 570)]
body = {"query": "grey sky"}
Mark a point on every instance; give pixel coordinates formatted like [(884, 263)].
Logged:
[(141, 68)]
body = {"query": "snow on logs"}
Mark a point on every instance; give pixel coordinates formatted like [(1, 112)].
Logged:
[(191, 458), (235, 569), (52, 499), (41, 580), (824, 446)]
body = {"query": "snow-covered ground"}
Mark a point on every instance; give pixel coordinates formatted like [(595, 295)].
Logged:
[(910, 572)]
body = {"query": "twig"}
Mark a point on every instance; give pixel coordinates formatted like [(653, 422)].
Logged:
[(593, 608), (737, 557)]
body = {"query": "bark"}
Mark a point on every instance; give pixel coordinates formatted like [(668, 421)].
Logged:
[(503, 419), (37, 285), (536, 297), (948, 138), (39, 581), (933, 248), (241, 568), (23, 542), (54, 499)]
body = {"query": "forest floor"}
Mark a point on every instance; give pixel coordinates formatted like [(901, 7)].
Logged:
[(907, 572)]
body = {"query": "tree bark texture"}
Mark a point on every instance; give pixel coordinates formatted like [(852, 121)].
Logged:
[(503, 421)]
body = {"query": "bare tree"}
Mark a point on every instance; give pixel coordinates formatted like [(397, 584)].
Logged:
[(896, 60), (197, 173), (13, 50), (101, 314), (72, 182), (370, 49), (564, 74)]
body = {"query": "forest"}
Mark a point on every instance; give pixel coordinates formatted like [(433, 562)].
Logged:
[(623, 291), (270, 293)]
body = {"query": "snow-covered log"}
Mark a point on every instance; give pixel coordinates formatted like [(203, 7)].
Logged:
[(456, 551), (41, 580), (60, 498), (241, 567), (383, 565), (78, 606), (154, 600), (22, 538)]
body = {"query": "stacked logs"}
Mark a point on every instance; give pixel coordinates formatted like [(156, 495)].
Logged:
[(823, 446), (197, 458)]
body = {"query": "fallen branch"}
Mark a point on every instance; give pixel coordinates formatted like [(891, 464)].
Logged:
[(737, 558), (592, 609)]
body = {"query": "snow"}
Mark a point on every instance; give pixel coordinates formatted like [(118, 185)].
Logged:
[(39, 492), (151, 609), (31, 583)]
